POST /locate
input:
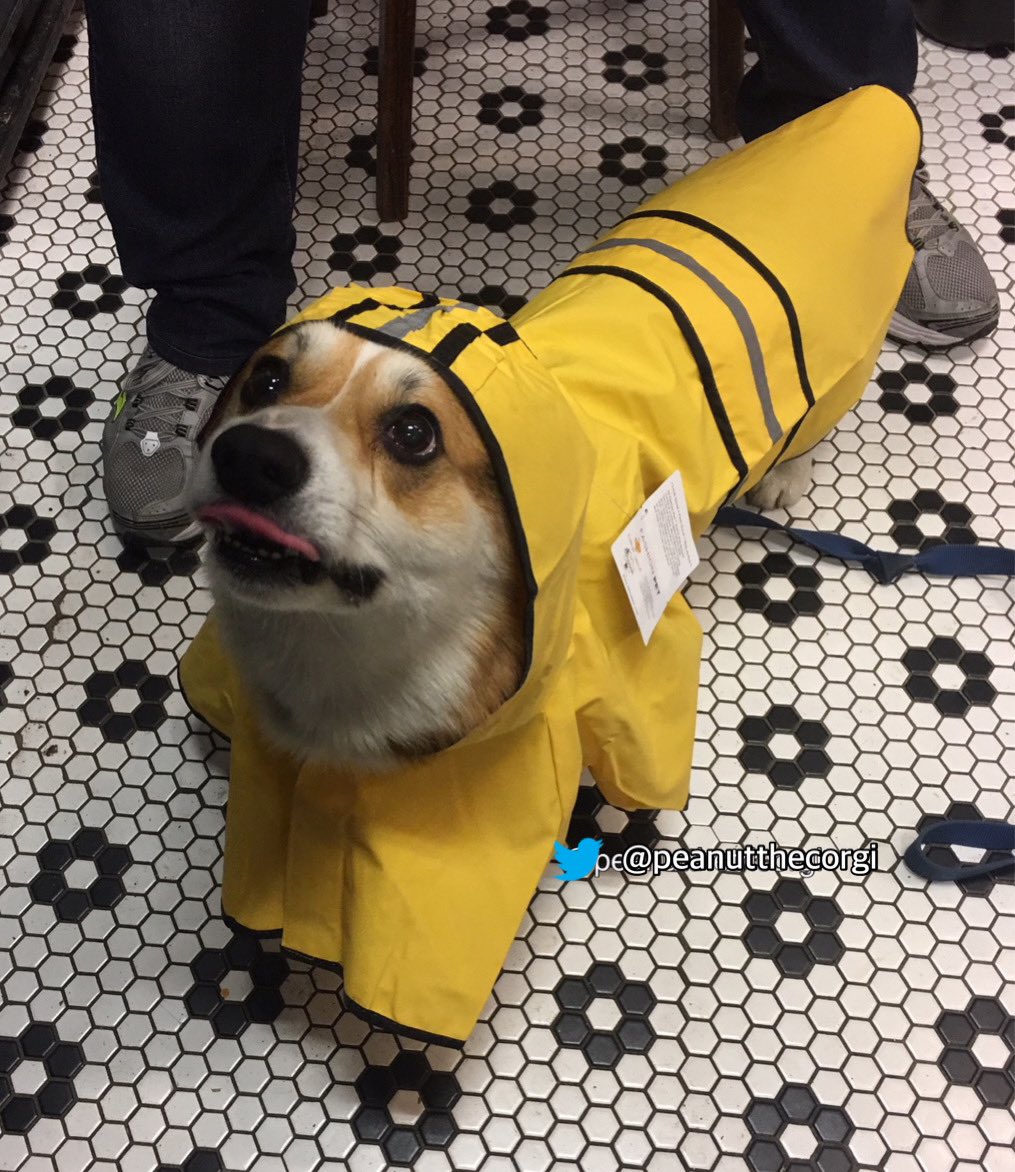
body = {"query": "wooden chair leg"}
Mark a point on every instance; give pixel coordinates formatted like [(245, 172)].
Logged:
[(726, 66), (394, 107)]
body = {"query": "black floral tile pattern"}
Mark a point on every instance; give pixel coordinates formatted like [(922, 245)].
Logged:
[(105, 887), (213, 998), (69, 405), (146, 693), (628, 1005), (53, 1094), (818, 918)]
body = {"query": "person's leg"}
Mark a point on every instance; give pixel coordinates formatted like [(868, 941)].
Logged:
[(811, 51), (196, 110)]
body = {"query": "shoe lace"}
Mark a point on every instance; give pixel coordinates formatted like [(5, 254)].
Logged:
[(161, 394), (928, 219)]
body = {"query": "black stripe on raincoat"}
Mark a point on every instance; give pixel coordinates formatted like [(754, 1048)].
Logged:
[(712, 394)]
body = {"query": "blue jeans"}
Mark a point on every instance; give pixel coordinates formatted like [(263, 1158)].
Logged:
[(197, 103)]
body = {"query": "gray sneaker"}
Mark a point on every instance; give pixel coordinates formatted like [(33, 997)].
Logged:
[(148, 448), (949, 296)]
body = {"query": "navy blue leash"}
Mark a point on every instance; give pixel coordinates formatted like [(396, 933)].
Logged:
[(884, 566), (986, 836)]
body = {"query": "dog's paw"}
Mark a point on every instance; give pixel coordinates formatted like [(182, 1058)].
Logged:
[(784, 485)]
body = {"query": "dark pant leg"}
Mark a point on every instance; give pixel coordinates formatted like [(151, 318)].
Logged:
[(196, 106), (812, 51)]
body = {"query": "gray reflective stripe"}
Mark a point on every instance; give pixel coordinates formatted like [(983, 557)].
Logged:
[(418, 319), (735, 306)]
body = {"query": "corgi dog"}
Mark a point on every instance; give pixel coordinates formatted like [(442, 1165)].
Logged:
[(359, 555), (364, 577)]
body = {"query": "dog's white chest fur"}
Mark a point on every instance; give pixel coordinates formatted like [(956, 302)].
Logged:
[(356, 691)]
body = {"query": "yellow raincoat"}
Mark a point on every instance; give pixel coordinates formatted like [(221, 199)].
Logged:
[(729, 322)]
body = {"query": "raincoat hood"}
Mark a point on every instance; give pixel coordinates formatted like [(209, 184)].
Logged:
[(728, 323)]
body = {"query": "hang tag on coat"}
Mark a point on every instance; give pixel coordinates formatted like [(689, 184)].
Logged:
[(656, 553)]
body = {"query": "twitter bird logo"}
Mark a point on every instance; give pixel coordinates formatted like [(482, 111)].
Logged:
[(577, 863)]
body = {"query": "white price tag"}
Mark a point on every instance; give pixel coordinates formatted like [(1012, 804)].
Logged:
[(656, 554)]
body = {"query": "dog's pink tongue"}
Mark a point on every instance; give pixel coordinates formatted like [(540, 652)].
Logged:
[(244, 518)]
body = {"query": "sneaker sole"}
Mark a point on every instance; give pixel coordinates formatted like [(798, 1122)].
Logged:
[(156, 536), (904, 329)]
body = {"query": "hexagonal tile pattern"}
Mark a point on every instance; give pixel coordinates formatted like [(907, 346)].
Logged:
[(55, 406), (927, 519), (594, 817), (916, 393), (998, 127), (949, 677), (782, 720), (108, 862), (795, 1131), (118, 719), (984, 1018), (604, 1015), (217, 972), (91, 291), (47, 1092), (779, 588), (714, 1019), (811, 940), (24, 538), (406, 1108)]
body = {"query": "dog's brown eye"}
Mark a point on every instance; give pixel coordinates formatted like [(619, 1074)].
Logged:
[(413, 436), (268, 381)]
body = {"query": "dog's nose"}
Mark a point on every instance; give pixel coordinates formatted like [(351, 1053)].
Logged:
[(258, 465)]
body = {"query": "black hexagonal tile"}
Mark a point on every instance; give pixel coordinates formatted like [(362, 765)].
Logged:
[(764, 1119), (510, 109), (997, 127), (203, 1160), (156, 567), (371, 59), (633, 161), (518, 20), (119, 727), (440, 1091), (410, 1070), (364, 253), (501, 206), (635, 68), (796, 1103), (590, 805), (34, 548), (72, 414), (571, 1029), (804, 579), (959, 1066), (603, 1049), (107, 299), (371, 1124), (917, 394)]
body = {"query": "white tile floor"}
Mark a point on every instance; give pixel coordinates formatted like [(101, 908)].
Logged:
[(709, 1022)]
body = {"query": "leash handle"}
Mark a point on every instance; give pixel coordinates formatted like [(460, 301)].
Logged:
[(884, 566), (988, 835)]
